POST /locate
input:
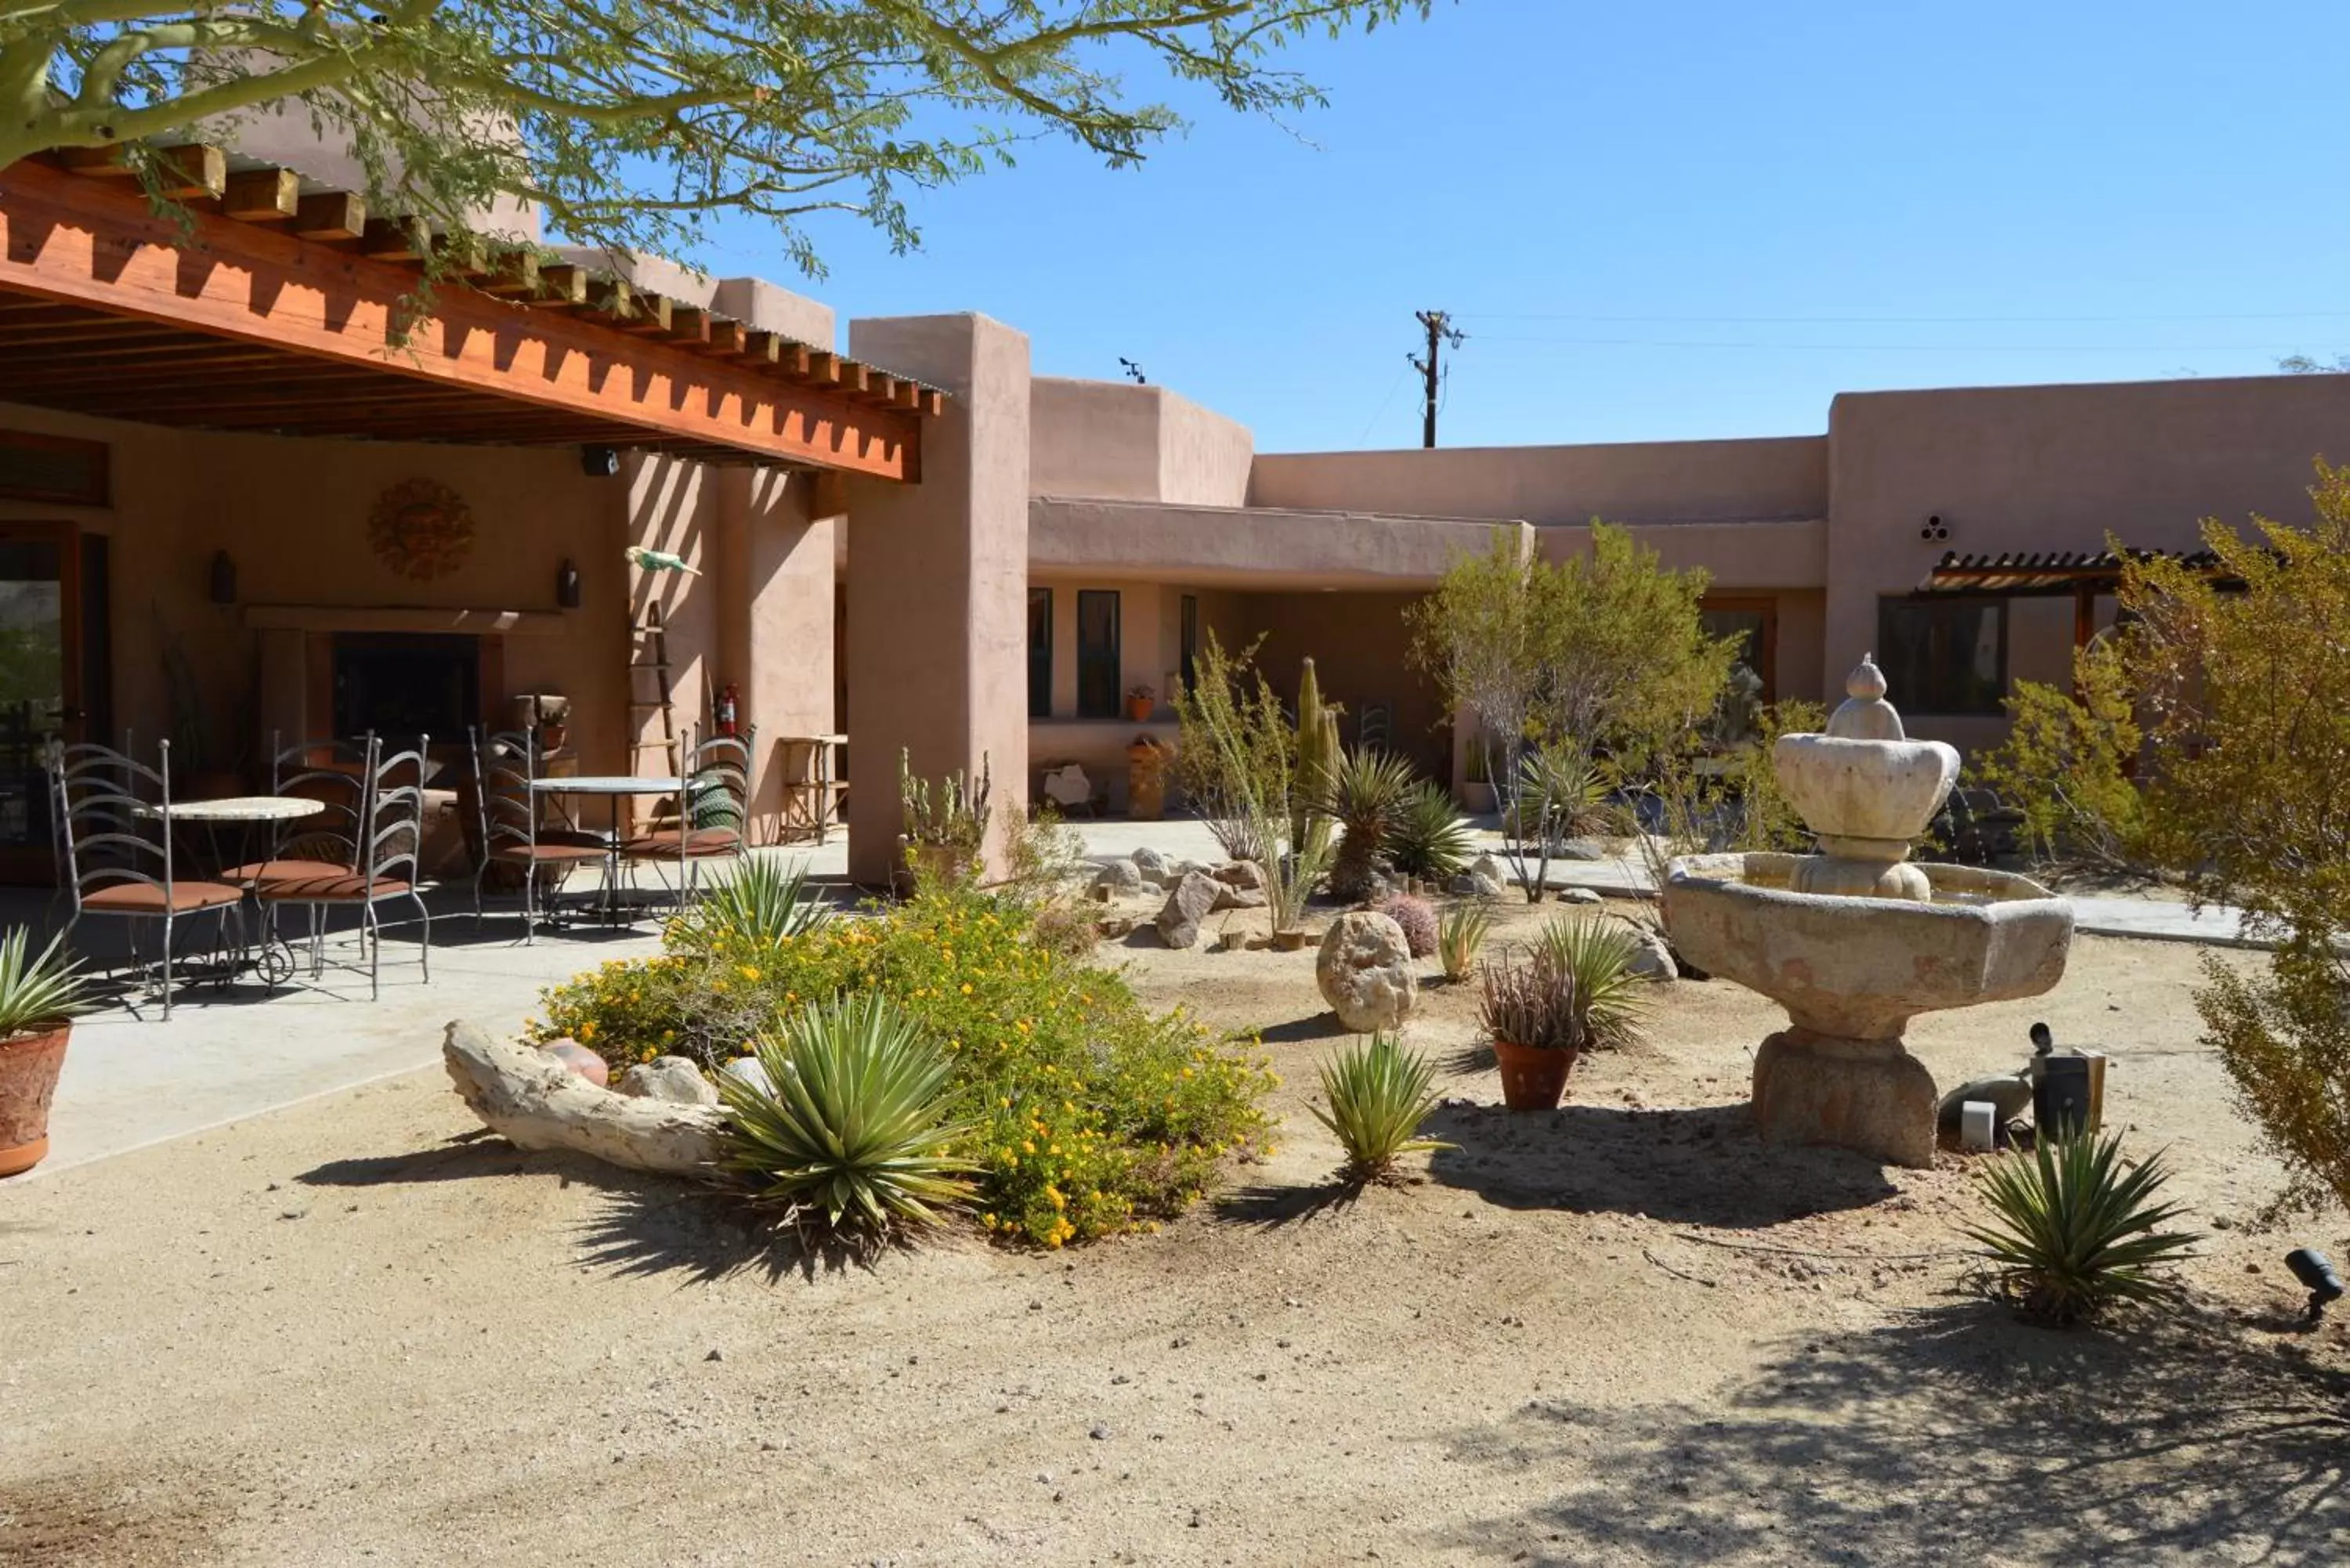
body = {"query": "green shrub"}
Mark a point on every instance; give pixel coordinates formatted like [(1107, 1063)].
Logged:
[(1416, 921), (1429, 838), (1379, 1093), (1090, 1115), (2065, 768), (2071, 1232), (849, 1136), (1611, 1003), (1459, 934)]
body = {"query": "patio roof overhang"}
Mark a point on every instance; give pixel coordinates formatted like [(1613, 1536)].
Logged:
[(276, 308), (2052, 574)]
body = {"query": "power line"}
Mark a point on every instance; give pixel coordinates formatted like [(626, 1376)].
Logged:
[(1896, 320), (1902, 348), (1383, 402)]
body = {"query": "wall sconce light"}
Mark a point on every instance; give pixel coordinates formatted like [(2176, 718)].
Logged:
[(599, 462), (223, 578), (566, 584)]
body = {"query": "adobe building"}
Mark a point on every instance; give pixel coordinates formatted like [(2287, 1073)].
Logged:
[(235, 502)]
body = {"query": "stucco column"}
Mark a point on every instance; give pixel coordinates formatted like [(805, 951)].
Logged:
[(778, 642), (938, 577)]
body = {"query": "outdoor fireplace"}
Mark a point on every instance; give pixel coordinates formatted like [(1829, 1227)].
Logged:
[(405, 684)]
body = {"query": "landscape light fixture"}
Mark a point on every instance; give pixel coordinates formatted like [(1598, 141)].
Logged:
[(2315, 1270)]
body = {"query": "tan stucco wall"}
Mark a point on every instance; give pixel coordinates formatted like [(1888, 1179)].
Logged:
[(1357, 643), (1646, 481), (1118, 441), (2054, 468), (1245, 546)]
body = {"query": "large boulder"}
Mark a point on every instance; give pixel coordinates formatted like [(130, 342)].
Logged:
[(1654, 960), (1119, 877), (1365, 971), (673, 1078), (1241, 874), (1489, 865), (1230, 897), (1151, 866), (1470, 884), (1192, 901)]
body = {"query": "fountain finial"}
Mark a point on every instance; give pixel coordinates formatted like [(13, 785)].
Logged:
[(1864, 714)]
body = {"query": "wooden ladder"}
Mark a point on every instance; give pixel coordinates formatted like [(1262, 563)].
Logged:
[(649, 654)]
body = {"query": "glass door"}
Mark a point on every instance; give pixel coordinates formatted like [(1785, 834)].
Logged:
[(40, 683)]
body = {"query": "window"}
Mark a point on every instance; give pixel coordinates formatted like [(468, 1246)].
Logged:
[(57, 469), (1097, 654), (1755, 621), (1040, 653), (1943, 656), (1190, 644)]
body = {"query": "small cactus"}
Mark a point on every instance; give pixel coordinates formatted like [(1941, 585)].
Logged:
[(1417, 921)]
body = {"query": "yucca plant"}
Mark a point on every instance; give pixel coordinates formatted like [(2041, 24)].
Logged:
[(1366, 799), (2072, 1232), (40, 990), (1379, 1093), (1460, 931), (851, 1138), (766, 903), (1429, 838), (1611, 1003)]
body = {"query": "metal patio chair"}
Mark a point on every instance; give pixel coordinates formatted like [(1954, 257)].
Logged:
[(333, 772), (115, 849), (506, 816), (712, 821), (390, 838)]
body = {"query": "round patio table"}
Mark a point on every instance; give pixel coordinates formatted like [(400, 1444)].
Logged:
[(275, 960), (614, 788)]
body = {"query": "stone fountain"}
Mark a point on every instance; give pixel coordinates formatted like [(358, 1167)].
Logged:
[(1857, 939)]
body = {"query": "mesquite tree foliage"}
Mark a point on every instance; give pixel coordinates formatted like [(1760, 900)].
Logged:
[(635, 121)]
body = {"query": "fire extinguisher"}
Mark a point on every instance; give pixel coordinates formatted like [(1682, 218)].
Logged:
[(726, 710)]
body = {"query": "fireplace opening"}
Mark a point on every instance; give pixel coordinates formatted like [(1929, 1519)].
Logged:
[(406, 684)]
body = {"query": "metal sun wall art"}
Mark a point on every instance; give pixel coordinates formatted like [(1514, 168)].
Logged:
[(422, 529)]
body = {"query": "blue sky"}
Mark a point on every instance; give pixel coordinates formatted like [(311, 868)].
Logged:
[(1680, 220)]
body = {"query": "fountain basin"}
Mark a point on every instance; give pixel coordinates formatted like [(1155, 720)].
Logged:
[(1861, 968)]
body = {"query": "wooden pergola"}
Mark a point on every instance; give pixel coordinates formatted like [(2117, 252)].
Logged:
[(277, 306), (2081, 576)]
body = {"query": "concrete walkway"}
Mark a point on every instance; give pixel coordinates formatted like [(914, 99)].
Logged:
[(132, 1080)]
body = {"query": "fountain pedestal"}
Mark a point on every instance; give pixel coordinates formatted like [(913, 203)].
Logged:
[(1868, 1096)]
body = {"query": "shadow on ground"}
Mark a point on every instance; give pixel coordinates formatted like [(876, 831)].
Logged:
[(1698, 1165), (1954, 1435)]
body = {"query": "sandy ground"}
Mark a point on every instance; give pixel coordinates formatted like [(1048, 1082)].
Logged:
[(361, 1331)]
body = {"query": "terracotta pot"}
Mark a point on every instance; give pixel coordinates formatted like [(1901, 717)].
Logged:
[(1289, 941), (1533, 1078), (28, 1079), (551, 737), (1138, 708)]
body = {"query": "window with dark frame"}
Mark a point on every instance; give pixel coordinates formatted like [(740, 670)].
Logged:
[(1944, 656), (1099, 667), (1040, 653), (1190, 635), (61, 471)]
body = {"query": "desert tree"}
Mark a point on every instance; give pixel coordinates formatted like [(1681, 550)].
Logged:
[(635, 123)]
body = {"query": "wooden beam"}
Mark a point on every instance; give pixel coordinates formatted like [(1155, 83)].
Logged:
[(330, 215), (95, 243), (561, 286), (934, 402), (726, 333), (189, 172), (262, 195), (395, 240), (820, 367), (514, 276), (906, 394)]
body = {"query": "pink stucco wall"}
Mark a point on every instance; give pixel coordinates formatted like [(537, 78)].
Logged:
[(1118, 441)]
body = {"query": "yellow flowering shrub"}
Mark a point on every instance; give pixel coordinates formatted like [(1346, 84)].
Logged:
[(1092, 1115)]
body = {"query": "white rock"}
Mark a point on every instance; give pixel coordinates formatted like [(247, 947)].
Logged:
[(1150, 864), (747, 1070), (1488, 865), (1119, 877), (1365, 971), (1240, 874), (1577, 895), (671, 1079), (1470, 885), (1654, 960), (1230, 897), (1193, 900)]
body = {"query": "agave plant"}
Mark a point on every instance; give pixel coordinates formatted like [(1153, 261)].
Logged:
[(1611, 1001), (1366, 797), (766, 903), (1429, 838), (1460, 932), (38, 991), (1379, 1093), (2072, 1231), (849, 1136)]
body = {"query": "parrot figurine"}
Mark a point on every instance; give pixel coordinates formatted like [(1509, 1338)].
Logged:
[(653, 560)]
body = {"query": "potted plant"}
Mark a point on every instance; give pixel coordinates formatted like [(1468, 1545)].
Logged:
[(946, 829), (38, 999), (1574, 992), (1139, 701)]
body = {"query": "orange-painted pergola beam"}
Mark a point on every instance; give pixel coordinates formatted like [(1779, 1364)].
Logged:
[(95, 244)]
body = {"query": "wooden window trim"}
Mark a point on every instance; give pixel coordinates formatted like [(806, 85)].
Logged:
[(102, 496)]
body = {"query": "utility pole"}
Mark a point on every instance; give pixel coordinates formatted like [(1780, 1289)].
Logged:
[(1441, 331)]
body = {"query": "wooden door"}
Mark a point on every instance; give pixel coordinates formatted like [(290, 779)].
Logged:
[(41, 684)]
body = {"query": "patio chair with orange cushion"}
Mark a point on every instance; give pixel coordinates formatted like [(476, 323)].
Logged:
[(713, 817), (114, 848), (506, 808), (390, 832), (326, 845)]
